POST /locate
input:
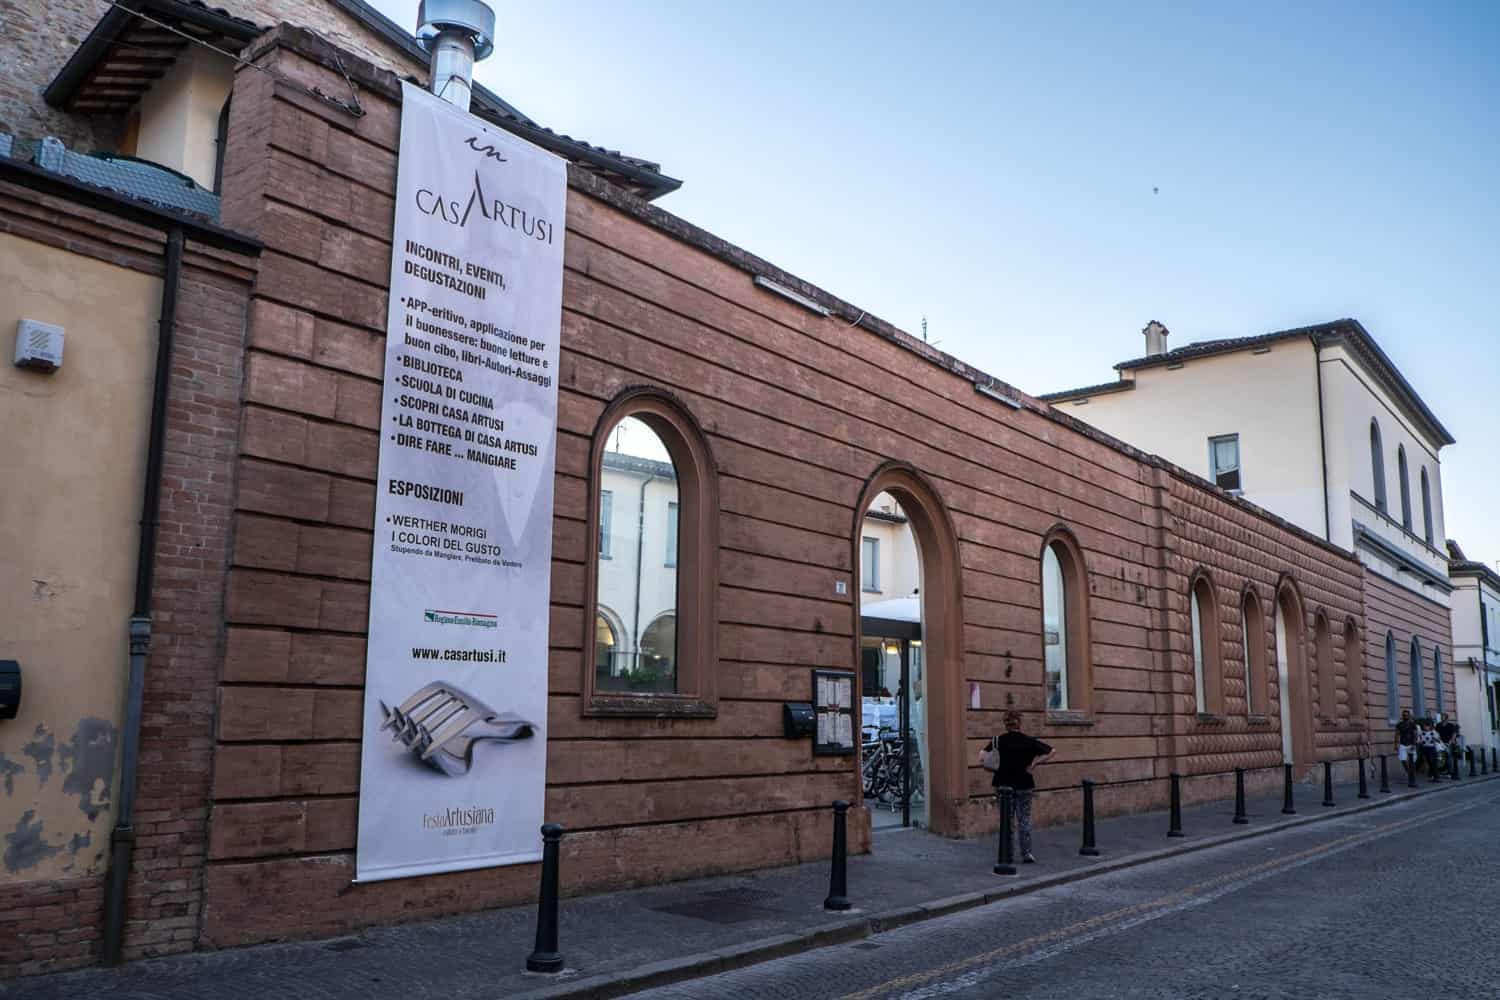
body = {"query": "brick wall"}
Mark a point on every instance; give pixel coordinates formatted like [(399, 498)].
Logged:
[(799, 412), (1397, 611), (50, 925)]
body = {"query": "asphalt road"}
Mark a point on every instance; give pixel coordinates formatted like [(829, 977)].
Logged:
[(1398, 902)]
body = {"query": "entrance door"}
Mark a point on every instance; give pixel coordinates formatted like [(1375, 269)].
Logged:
[(895, 736)]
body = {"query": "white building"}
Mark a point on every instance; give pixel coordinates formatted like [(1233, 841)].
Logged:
[(1476, 647), (1318, 426)]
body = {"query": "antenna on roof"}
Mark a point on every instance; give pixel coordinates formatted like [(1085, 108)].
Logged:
[(924, 328)]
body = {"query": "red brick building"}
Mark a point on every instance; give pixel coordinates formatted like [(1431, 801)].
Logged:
[(787, 421)]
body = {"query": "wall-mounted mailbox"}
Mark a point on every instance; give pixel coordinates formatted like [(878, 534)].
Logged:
[(799, 719), (10, 689)]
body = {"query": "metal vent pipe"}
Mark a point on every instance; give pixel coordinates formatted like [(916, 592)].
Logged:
[(457, 34)]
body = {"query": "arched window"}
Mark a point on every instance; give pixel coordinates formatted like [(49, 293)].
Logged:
[(1426, 507), (1328, 688), (1354, 670), (1418, 696), (1065, 625), (1377, 466), (651, 587), (1392, 686), (1437, 680), (1253, 633), (1208, 674), (1405, 487)]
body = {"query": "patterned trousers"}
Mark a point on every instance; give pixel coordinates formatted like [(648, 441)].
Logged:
[(1020, 802)]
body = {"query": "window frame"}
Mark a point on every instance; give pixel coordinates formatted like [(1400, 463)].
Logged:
[(1405, 484), (1437, 679), (1079, 675), (1204, 647), (1418, 694), (1377, 468), (1328, 682), (869, 564), (1354, 670), (606, 523), (696, 609), (1392, 681), (1426, 507), (674, 527), (1239, 463)]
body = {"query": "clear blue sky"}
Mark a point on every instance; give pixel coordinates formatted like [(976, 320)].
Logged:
[(991, 167)]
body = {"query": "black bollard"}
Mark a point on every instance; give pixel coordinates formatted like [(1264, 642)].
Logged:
[(1174, 822), (1484, 762), (1494, 759), (1469, 753), (1004, 860), (545, 957), (1239, 796), (1385, 778), (1286, 796), (1364, 788), (838, 878), (1328, 783), (1453, 771), (1088, 849), (1411, 767)]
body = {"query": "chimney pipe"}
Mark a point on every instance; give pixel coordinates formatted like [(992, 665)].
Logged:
[(1156, 339), (457, 34)]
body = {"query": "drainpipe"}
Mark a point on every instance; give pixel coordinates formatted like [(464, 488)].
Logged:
[(640, 569), (1322, 439), (122, 837)]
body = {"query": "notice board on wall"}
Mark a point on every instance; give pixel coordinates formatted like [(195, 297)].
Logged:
[(453, 764)]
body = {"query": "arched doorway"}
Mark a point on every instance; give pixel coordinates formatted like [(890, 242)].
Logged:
[(1291, 677), (939, 626)]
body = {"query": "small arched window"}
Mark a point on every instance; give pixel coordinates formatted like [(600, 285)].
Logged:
[(1203, 615), (1405, 487), (651, 586), (1437, 680), (1392, 686), (1418, 696), (1377, 466), (1065, 625), (1328, 688), (1253, 632), (1354, 670), (1426, 507)]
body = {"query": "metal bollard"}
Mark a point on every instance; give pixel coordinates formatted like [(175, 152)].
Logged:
[(1484, 762), (1088, 849), (1411, 768), (1328, 783), (1364, 788), (1453, 771), (545, 957), (1385, 778), (1469, 753), (1495, 758), (1174, 822), (1004, 860), (838, 878), (1287, 808), (1239, 796)]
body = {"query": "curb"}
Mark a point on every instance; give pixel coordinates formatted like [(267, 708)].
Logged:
[(709, 963)]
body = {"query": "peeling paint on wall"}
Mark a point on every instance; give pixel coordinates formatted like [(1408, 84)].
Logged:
[(89, 760), (40, 750), (25, 847), (8, 770)]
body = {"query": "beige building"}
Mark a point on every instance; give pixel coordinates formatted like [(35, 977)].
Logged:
[(1476, 647), (1318, 426)]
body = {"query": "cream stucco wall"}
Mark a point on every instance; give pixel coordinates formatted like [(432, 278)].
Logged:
[(73, 454), (899, 570), (179, 115), (1270, 400), (1470, 599), (630, 549)]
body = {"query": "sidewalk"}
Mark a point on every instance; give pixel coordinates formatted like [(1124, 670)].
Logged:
[(625, 941)]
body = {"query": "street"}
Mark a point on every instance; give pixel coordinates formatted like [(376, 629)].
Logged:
[(1378, 904)]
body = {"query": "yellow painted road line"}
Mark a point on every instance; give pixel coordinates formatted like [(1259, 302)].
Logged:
[(1161, 902)]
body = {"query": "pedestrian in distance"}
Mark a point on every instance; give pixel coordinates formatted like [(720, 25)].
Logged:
[(1429, 743), (1406, 740), (1015, 756)]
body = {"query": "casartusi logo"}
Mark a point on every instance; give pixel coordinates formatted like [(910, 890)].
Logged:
[(457, 213)]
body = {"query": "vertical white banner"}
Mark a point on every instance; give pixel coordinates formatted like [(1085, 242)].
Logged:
[(453, 765)]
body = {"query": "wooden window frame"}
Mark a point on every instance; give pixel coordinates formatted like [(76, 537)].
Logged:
[(1210, 629), (1080, 678), (697, 562)]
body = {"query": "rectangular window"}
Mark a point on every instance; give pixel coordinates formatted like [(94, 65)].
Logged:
[(606, 518), (1224, 461), (1491, 689), (869, 565), (671, 534)]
